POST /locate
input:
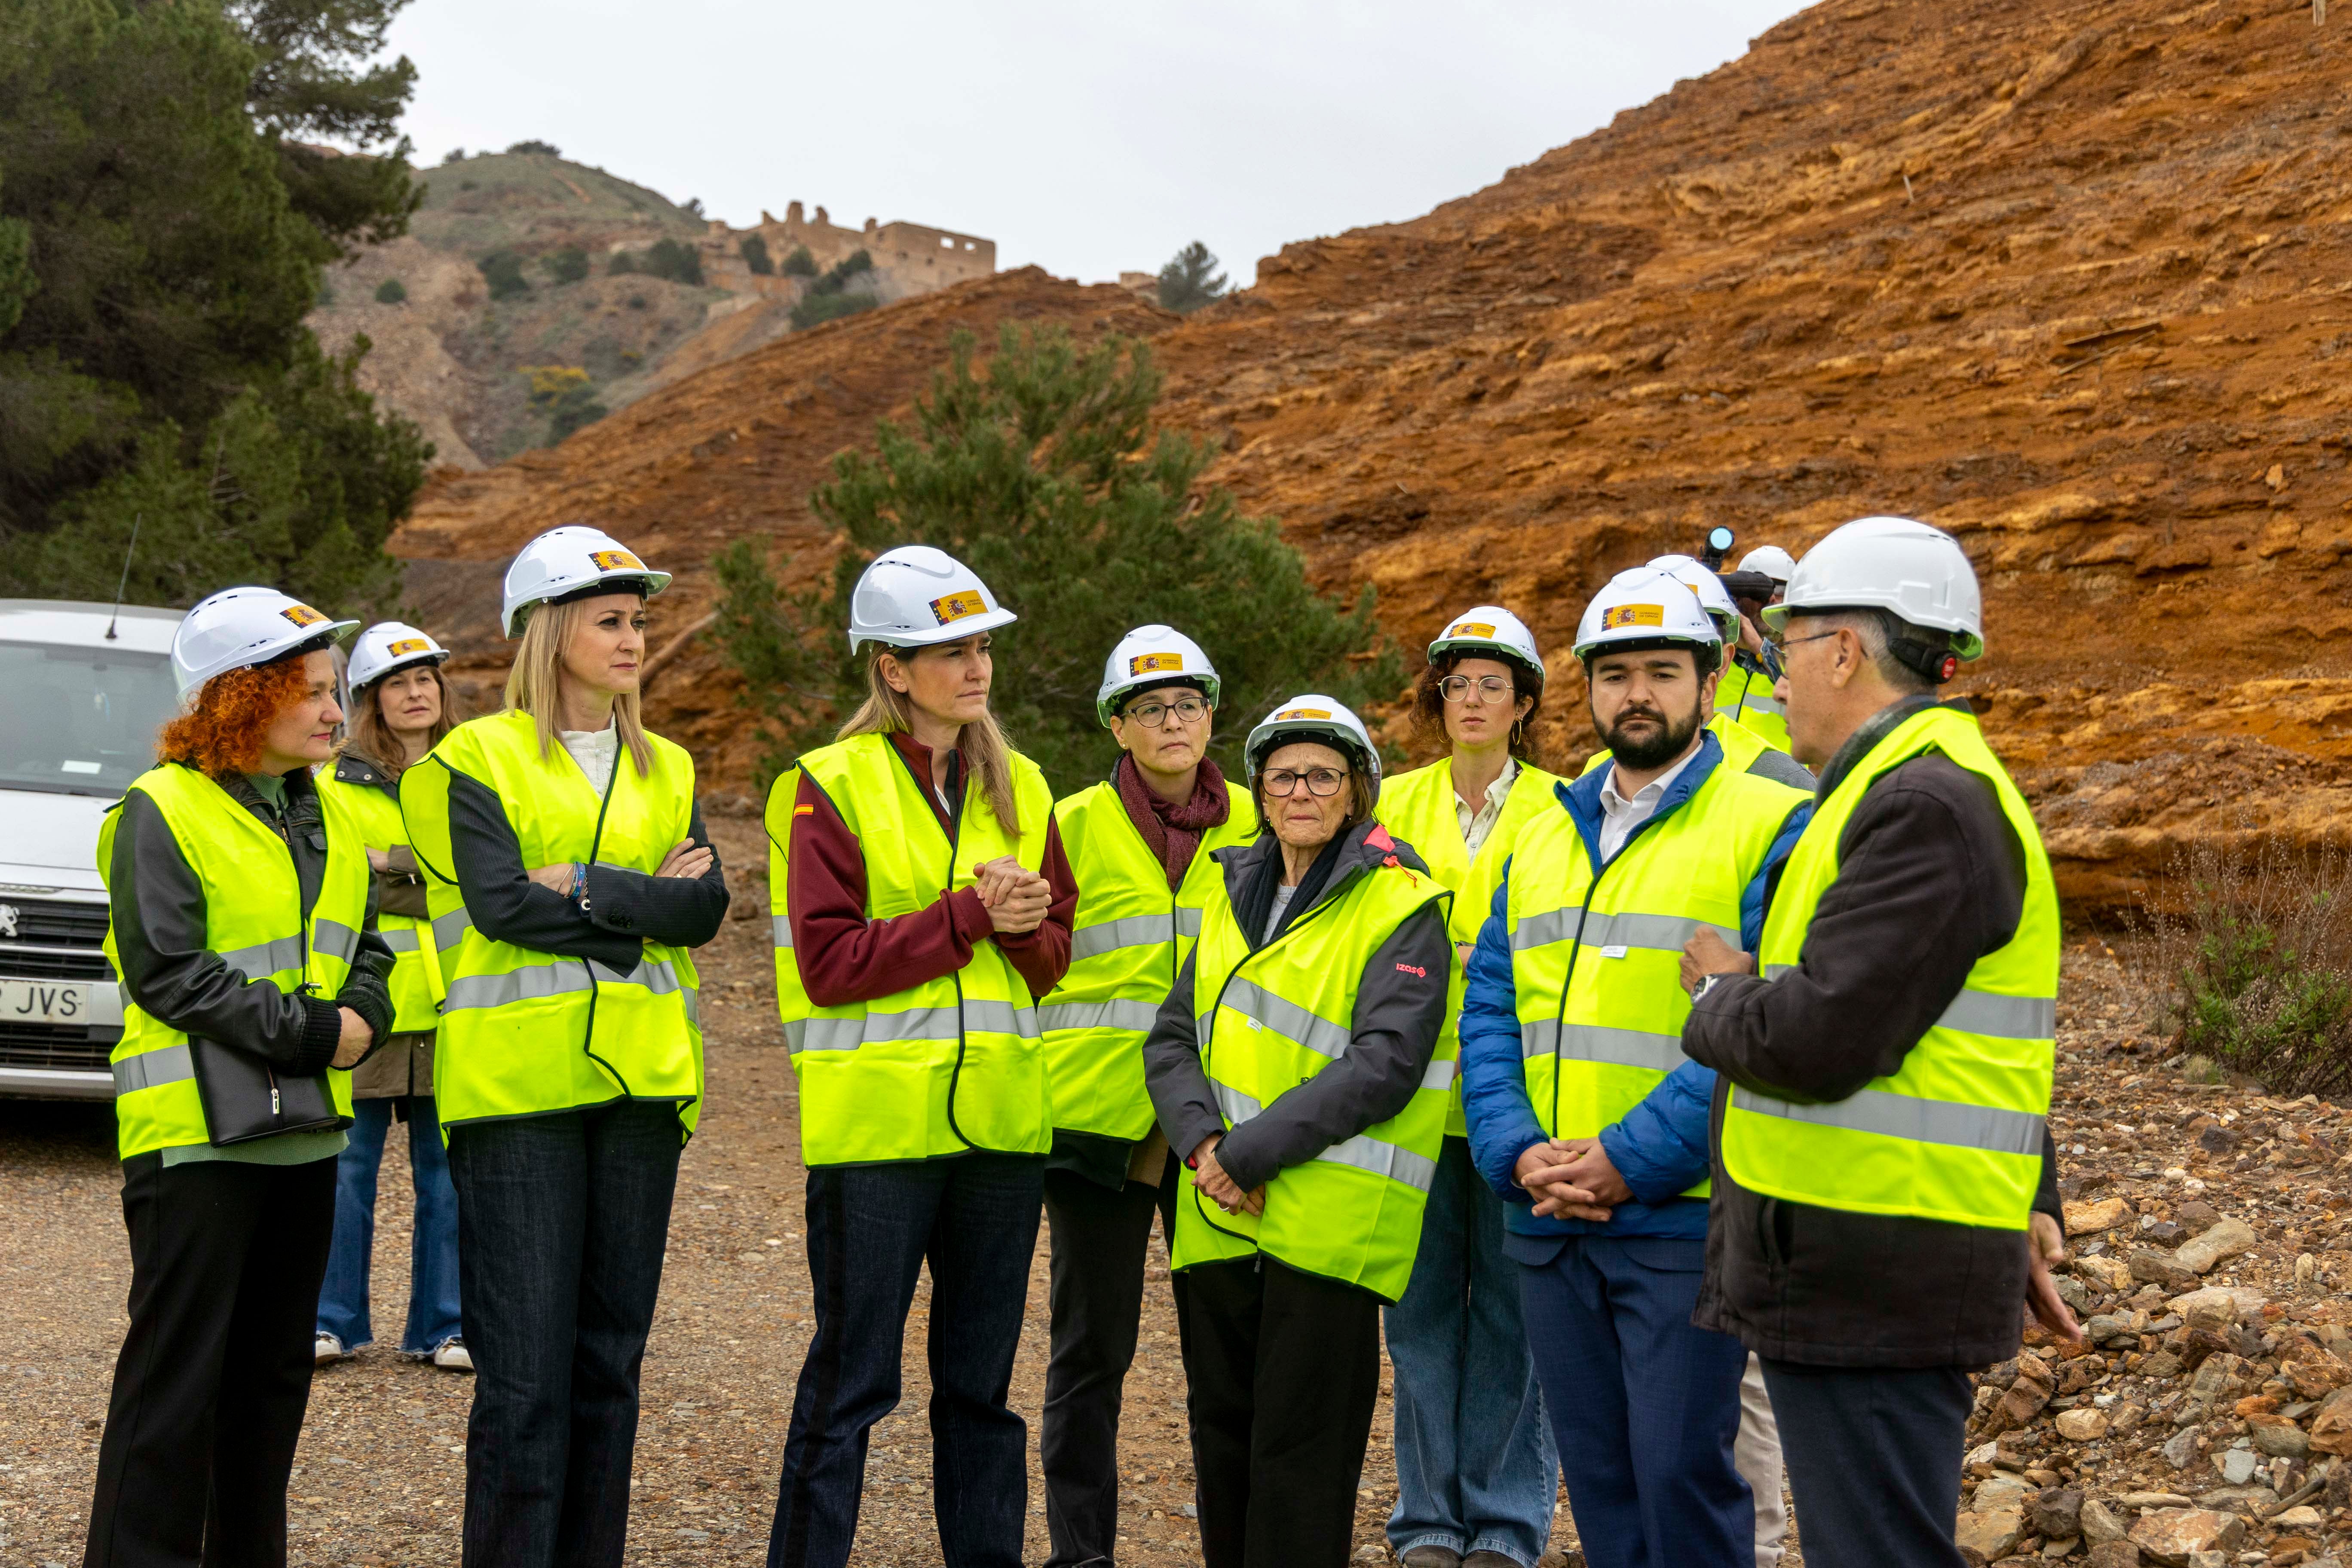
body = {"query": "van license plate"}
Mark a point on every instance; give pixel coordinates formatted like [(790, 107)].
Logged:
[(44, 1002)]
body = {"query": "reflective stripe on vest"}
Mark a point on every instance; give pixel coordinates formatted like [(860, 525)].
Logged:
[(1420, 809), (253, 923), (416, 981), (1956, 1134), (942, 1067), (1354, 1212), (1596, 955), (1133, 935), (525, 1033)]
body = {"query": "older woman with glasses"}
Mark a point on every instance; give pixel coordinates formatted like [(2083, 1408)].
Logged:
[(1476, 1473), (1141, 844), (1298, 1066)]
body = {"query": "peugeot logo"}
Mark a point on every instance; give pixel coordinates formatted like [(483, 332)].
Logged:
[(8, 921)]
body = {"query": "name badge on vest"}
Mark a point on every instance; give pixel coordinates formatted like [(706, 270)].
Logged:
[(1616, 950)]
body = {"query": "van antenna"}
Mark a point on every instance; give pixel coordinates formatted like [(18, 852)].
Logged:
[(121, 587)]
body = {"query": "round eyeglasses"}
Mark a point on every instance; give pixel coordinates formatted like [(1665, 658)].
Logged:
[(1323, 783), (1152, 715), (1489, 688)]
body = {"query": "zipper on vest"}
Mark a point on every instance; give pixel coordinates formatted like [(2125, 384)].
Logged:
[(596, 842)]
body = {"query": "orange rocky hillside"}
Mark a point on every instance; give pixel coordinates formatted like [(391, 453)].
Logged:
[(2067, 279)]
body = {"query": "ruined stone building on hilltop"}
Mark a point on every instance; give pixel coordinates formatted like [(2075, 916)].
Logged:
[(908, 258)]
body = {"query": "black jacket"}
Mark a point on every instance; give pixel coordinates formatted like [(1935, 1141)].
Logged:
[(625, 908), (158, 910), (1931, 877), (1399, 1013)]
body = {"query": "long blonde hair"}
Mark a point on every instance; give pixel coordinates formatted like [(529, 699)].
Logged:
[(371, 739), (532, 683), (987, 754)]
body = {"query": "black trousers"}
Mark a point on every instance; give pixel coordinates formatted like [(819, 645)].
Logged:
[(1283, 1371), (1096, 1295), (1873, 1457), (214, 1374), (561, 1225)]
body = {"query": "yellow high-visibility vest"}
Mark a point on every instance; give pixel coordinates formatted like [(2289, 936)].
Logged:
[(525, 1033), (944, 1067), (1745, 697), (1272, 1019), (253, 920), (1956, 1134), (1418, 806), (415, 983), (1596, 952), (1133, 934)]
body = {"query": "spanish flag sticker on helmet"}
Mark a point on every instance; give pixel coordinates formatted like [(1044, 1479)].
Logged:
[(1289, 713), (1471, 629), (1618, 616), (950, 607), (616, 561), (302, 614), (405, 647), (1156, 663)]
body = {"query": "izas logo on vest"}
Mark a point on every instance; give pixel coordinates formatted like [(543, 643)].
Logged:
[(1618, 616), (614, 561), (1151, 663), (949, 608), (302, 614)]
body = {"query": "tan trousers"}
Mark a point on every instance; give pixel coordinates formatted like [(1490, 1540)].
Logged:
[(1756, 1456)]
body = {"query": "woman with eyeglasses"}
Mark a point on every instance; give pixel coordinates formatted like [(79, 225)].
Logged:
[(1141, 845), (1301, 1069), (1477, 1471)]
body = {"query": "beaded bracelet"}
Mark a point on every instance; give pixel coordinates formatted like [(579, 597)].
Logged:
[(580, 882)]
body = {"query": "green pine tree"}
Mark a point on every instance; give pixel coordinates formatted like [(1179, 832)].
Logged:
[(1043, 473), (1190, 279)]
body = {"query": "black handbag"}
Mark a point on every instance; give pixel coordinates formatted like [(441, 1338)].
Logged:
[(245, 1097)]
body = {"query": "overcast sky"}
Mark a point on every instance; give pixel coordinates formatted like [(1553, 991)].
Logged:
[(1082, 135)]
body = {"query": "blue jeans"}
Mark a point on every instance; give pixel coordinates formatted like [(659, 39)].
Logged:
[(563, 1219), (1648, 1403), (1475, 1466), (871, 1229), (432, 1311)]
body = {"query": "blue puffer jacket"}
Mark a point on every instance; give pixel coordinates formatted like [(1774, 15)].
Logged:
[(1661, 1145)]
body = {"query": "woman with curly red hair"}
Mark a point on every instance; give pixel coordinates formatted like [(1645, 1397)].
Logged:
[(252, 983)]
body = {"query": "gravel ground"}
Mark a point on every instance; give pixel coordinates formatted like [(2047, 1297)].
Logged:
[(380, 1477)]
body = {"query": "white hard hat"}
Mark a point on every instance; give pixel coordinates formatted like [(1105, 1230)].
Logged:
[(1490, 629), (915, 596), (237, 627), (1712, 597), (1772, 561), (1649, 607), (569, 562), (1918, 572), (1151, 657), (1311, 716), (388, 646)]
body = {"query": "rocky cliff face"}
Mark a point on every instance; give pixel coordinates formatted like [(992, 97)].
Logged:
[(2067, 279)]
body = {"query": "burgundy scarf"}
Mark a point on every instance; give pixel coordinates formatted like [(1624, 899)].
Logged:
[(1173, 832)]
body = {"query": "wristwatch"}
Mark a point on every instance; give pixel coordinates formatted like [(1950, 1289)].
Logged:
[(1706, 985)]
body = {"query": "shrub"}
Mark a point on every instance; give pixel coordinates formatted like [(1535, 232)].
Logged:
[(800, 263), (549, 148), (1044, 475), (391, 291), (502, 271), (2255, 973), (830, 297), (663, 259), (453, 155), (565, 395), (756, 257), (569, 264)]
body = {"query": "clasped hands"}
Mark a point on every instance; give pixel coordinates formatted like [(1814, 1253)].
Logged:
[(1016, 898), (686, 858), (1571, 1178), (1211, 1178)]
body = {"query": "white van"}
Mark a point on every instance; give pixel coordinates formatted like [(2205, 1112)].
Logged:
[(83, 690)]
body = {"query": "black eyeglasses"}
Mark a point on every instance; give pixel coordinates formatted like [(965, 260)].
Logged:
[(1321, 781), (1489, 688), (1784, 643), (1152, 715)]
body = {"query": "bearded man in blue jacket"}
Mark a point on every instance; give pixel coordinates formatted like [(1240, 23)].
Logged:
[(1583, 1113)]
